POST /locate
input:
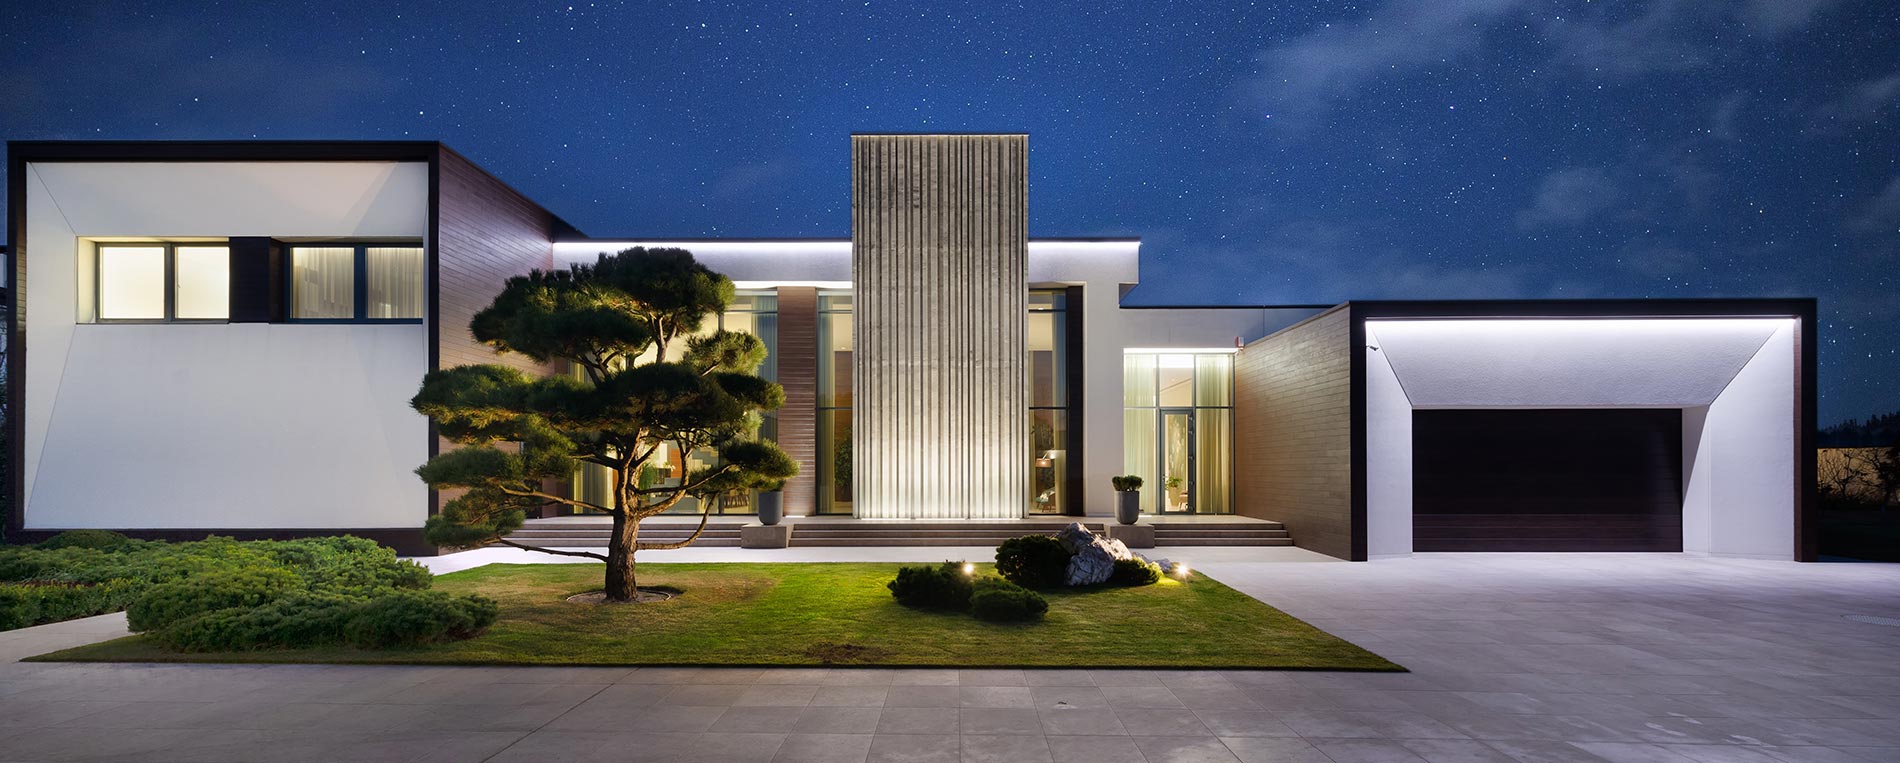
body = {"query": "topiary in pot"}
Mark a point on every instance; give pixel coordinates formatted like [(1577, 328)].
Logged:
[(1033, 561), (1127, 498), (998, 600)]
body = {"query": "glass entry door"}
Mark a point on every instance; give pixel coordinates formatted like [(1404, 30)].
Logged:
[(1177, 460)]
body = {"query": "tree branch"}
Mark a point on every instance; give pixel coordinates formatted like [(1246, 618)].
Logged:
[(525, 547), (705, 513), (575, 502)]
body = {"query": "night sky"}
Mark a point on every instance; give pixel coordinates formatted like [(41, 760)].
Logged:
[(1266, 153)]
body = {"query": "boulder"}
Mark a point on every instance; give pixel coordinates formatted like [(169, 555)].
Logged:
[(1092, 557)]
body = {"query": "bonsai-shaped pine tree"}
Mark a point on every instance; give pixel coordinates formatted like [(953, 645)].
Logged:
[(518, 432)]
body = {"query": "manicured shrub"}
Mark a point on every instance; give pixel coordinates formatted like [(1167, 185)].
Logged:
[(1135, 572), (168, 603), (408, 618), (941, 587), (1033, 561), (999, 600), (102, 540), (24, 604), (293, 622)]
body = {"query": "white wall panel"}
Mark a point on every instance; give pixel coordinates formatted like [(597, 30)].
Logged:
[(217, 426)]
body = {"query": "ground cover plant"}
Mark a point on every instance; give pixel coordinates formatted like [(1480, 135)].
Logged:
[(826, 614), (225, 594)]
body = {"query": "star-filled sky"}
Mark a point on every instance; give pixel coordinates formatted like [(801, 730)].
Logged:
[(1265, 152)]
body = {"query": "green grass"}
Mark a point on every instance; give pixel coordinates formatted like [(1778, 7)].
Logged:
[(818, 614)]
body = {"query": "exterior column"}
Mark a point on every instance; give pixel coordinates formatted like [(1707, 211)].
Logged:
[(939, 265)]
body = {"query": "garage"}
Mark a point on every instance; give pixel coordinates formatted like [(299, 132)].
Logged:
[(1547, 480)]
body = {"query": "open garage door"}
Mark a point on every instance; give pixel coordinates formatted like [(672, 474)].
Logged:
[(1547, 480)]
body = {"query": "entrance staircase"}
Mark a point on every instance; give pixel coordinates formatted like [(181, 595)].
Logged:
[(593, 531)]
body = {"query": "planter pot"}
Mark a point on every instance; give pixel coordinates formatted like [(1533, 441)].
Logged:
[(1128, 507), (771, 507)]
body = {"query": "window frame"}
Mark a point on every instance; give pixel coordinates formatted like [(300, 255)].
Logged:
[(359, 285), (170, 283)]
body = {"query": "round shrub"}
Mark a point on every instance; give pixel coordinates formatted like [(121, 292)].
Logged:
[(102, 540), (941, 587), (248, 587), (408, 618), (999, 600), (1033, 561), (1135, 572)]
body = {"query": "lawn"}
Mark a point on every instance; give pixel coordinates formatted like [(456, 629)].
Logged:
[(822, 614)]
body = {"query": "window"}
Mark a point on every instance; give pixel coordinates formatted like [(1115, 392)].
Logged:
[(1049, 444), (356, 282), (834, 402), (164, 282), (1177, 430)]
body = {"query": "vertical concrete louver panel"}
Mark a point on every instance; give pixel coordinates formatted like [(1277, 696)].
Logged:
[(940, 272)]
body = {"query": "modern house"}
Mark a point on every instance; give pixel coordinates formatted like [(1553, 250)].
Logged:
[(224, 337)]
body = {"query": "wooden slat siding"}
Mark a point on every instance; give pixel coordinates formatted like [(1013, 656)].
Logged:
[(938, 260), (1547, 480), (798, 374), (485, 233), (1293, 432)]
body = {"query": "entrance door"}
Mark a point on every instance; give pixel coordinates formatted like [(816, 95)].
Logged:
[(1177, 461)]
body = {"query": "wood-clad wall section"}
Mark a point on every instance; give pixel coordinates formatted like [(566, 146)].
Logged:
[(798, 373), (484, 233), (1293, 432), (939, 263)]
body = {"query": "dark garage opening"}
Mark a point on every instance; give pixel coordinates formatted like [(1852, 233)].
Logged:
[(1547, 480)]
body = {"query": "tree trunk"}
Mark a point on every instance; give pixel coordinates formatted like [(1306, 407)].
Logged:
[(620, 580)]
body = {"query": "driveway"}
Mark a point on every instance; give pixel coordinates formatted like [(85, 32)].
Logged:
[(1533, 658)]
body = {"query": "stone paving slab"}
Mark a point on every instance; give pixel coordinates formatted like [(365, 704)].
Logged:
[(1515, 658)]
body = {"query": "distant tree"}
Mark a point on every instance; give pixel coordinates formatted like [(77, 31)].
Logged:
[(517, 432)]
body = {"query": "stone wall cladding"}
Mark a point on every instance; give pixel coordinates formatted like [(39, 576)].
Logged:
[(1293, 431)]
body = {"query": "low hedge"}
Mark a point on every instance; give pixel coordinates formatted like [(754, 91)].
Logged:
[(999, 600), (941, 587), (24, 604), (224, 594)]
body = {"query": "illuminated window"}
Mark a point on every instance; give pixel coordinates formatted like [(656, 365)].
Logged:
[(1177, 430), (368, 283), (164, 282)]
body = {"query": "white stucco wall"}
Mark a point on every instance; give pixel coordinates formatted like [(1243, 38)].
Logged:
[(1388, 457), (1733, 378), (217, 426), (1749, 468)]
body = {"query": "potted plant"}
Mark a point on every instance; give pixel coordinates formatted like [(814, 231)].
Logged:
[(771, 499), (1127, 498)]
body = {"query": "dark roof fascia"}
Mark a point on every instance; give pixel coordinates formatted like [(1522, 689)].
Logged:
[(221, 150), (1737, 307)]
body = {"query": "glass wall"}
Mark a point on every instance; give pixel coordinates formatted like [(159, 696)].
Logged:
[(754, 313), (834, 402), (1048, 372), (1177, 430)]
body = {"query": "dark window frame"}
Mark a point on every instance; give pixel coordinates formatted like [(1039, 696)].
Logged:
[(359, 284), (170, 284)]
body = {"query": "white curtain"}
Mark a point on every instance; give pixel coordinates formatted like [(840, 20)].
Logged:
[(323, 282), (395, 281)]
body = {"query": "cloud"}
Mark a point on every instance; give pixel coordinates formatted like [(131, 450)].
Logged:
[(1298, 79), (1880, 214), (1778, 17), (1657, 259), (1723, 124), (1568, 197), (771, 176), (1864, 101), (1658, 39)]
